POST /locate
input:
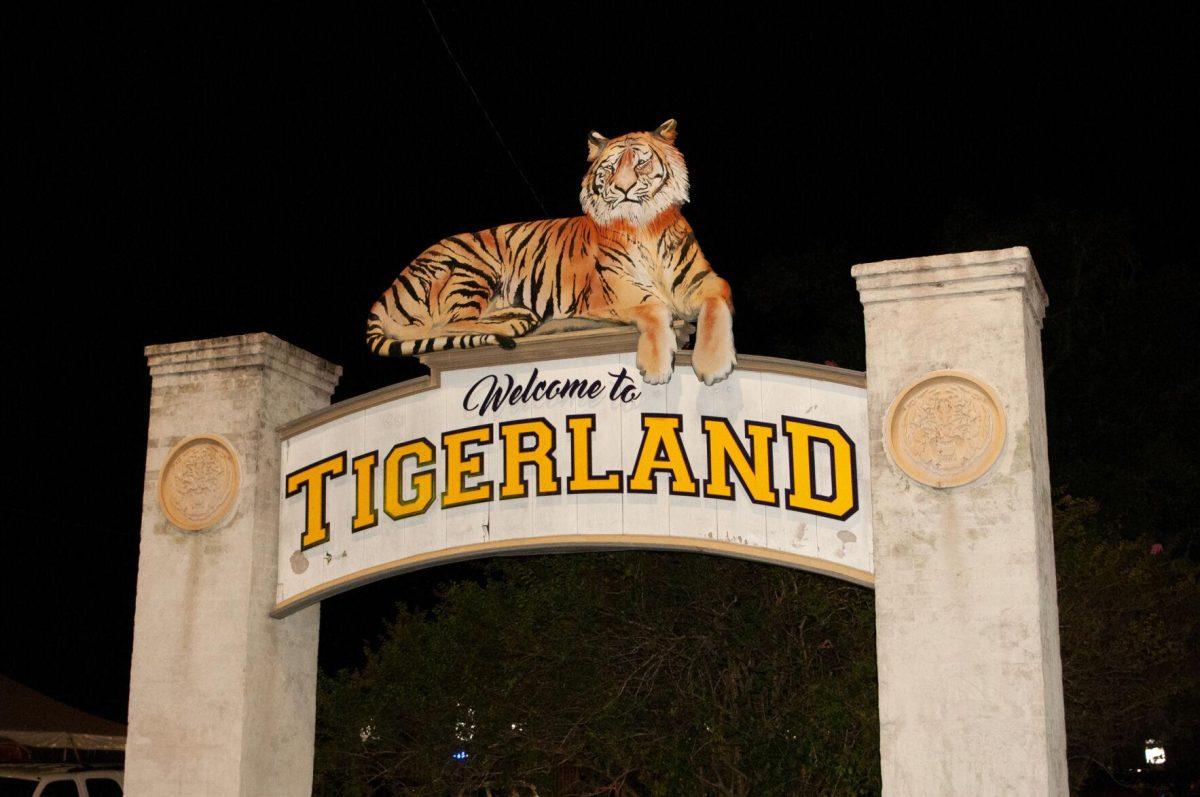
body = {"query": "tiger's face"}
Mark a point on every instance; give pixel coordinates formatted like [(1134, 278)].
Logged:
[(634, 177)]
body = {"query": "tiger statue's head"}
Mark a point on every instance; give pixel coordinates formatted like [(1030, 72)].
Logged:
[(634, 177)]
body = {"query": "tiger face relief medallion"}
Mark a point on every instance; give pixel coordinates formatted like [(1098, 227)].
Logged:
[(199, 483), (945, 430)]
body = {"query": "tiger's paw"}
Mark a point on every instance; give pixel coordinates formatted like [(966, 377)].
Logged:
[(656, 364), (658, 377), (714, 361), (659, 372)]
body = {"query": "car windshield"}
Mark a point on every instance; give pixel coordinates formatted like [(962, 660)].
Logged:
[(16, 787)]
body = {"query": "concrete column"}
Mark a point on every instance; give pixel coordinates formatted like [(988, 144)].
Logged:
[(970, 680), (222, 698)]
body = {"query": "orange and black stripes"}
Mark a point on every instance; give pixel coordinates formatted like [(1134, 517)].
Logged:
[(489, 287)]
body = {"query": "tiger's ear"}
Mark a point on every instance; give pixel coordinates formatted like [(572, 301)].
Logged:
[(666, 131), (596, 144)]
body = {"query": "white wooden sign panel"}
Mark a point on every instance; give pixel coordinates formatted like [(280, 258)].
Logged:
[(577, 454)]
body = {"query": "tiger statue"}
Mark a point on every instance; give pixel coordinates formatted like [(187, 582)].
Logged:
[(630, 259)]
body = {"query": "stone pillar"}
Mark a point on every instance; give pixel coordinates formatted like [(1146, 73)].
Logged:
[(970, 680), (221, 698)]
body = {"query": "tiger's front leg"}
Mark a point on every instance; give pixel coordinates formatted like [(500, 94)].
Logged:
[(714, 356), (656, 343)]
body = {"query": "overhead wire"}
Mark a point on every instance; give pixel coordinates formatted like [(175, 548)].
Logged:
[(479, 102)]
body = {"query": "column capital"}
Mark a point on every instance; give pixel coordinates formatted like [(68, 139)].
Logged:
[(988, 271), (256, 350)]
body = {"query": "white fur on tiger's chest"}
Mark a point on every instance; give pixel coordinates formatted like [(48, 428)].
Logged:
[(650, 270), (641, 271)]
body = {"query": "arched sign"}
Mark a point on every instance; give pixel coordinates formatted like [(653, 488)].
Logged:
[(540, 452)]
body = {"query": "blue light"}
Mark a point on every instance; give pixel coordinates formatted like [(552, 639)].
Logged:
[(461, 755)]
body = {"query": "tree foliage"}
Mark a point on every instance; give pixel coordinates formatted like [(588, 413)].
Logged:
[(624, 674), (1129, 621)]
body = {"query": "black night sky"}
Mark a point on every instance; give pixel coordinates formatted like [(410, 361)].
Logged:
[(180, 175)]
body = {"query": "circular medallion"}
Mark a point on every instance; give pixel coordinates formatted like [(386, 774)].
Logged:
[(946, 429), (199, 483)]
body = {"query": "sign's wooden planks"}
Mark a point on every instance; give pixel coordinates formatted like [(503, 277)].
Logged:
[(578, 454)]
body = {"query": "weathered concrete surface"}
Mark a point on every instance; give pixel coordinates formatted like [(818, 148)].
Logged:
[(970, 680), (222, 698)]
